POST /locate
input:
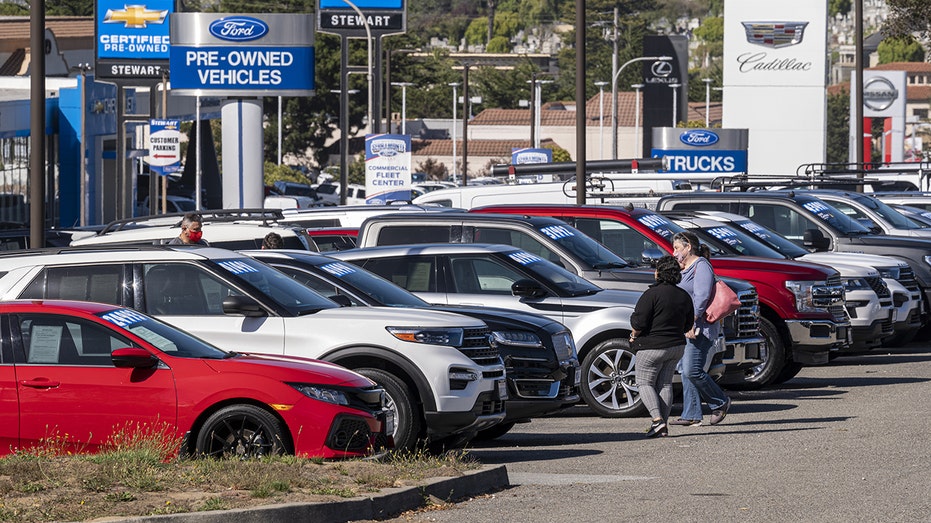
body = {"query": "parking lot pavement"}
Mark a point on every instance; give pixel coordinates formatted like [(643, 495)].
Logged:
[(843, 442)]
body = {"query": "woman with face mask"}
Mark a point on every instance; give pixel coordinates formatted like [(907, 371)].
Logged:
[(191, 231), (697, 385)]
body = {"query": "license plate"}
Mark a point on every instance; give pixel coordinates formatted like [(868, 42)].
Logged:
[(502, 390)]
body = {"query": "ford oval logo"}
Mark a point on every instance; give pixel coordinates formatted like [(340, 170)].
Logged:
[(238, 28), (698, 138)]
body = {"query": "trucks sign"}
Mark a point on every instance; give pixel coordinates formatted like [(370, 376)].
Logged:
[(242, 55)]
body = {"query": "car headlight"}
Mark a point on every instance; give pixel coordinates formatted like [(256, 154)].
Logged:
[(855, 284), (451, 336), (525, 339), (327, 395), (928, 260), (815, 296), (890, 272)]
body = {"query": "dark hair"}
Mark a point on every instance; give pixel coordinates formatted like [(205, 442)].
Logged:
[(667, 270), (272, 240), (192, 217), (695, 246)]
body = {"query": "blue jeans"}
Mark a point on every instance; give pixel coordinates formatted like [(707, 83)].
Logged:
[(697, 385)]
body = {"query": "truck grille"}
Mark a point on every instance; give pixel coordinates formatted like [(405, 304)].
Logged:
[(829, 295), (879, 287), (745, 323), (477, 347), (907, 279)]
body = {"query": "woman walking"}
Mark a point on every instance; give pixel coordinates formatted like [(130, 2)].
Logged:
[(661, 317), (697, 385)]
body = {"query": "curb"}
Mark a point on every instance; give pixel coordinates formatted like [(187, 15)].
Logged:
[(387, 503)]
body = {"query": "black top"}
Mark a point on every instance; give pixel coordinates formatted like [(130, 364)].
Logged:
[(663, 315)]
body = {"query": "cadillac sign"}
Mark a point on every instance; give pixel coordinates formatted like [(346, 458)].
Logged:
[(774, 34)]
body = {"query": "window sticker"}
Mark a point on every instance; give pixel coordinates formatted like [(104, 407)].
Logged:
[(44, 343), (237, 267), (524, 258), (815, 207), (163, 343), (338, 269), (557, 232), (658, 224), (725, 235), (124, 317), (758, 230)]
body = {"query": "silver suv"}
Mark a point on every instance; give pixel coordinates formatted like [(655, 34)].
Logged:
[(443, 378)]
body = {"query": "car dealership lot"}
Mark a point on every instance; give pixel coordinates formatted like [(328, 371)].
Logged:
[(843, 442)]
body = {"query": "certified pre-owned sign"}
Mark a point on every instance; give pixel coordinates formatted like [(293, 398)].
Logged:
[(242, 55)]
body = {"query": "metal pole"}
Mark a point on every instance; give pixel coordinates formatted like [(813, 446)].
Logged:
[(637, 146), (83, 171), (454, 85), (279, 130), (465, 125), (580, 123), (533, 109), (857, 96), (614, 91), (165, 117), (368, 36), (601, 119), (404, 108), (37, 141), (707, 101), (197, 155), (343, 119)]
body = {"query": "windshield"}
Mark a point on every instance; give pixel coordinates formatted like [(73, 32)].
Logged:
[(274, 285), (164, 337), (551, 274), (778, 243), (591, 252), (378, 289), (736, 241), (831, 216)]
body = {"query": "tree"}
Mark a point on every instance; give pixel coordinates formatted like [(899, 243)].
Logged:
[(839, 7), (838, 128), (900, 49), (907, 17)]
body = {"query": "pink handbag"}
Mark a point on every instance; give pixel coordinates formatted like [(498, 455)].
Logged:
[(724, 302)]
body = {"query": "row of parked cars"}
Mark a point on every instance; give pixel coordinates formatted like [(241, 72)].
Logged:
[(464, 323)]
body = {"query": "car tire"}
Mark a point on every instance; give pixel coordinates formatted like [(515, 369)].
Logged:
[(495, 432), (609, 383), (242, 431), (773, 354), (789, 371), (407, 419)]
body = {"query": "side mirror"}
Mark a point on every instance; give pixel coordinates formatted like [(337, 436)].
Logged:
[(650, 256), (815, 240), (342, 300), (133, 358), (528, 289), (243, 305)]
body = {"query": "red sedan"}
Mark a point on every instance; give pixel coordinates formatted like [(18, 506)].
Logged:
[(78, 373)]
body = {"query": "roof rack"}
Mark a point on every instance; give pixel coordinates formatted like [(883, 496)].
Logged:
[(863, 168), (266, 216), (66, 250)]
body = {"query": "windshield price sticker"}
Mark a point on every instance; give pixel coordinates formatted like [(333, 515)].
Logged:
[(124, 317), (338, 269), (557, 232), (237, 267), (524, 258), (725, 235), (659, 224), (819, 209)]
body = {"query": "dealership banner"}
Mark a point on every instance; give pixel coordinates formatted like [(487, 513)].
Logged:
[(775, 73), (132, 40), (387, 168), (701, 151)]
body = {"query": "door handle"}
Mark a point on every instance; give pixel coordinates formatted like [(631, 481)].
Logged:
[(40, 383)]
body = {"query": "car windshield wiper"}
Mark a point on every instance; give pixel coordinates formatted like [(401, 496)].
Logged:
[(305, 312), (610, 265)]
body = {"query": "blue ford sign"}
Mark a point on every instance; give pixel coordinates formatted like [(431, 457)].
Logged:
[(238, 29), (698, 137)]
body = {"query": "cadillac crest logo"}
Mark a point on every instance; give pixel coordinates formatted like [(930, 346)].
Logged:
[(774, 34)]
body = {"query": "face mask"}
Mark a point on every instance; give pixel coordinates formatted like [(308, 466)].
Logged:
[(195, 237), (680, 256)]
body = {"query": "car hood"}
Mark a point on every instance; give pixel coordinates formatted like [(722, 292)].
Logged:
[(791, 268), (397, 316), (605, 298), (290, 369), (853, 258), (498, 319)]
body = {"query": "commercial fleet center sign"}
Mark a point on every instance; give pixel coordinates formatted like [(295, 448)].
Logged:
[(242, 55)]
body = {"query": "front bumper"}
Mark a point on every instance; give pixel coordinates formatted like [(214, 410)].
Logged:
[(813, 340), (536, 389), (487, 412)]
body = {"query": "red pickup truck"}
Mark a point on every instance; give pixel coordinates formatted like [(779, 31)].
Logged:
[(802, 313)]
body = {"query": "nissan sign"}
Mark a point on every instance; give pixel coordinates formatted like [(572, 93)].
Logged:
[(879, 94)]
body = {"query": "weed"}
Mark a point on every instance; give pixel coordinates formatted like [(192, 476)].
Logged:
[(122, 496), (214, 503)]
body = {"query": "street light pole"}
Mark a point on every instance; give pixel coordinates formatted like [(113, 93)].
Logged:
[(707, 101), (614, 99), (675, 103), (403, 86), (368, 39), (454, 85), (637, 88), (601, 118)]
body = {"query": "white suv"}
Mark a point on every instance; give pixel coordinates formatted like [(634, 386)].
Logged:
[(443, 378)]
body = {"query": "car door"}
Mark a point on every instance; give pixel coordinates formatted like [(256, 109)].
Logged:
[(70, 394), (9, 399), (190, 297)]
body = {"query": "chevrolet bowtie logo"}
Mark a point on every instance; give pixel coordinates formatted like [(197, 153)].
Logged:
[(135, 16)]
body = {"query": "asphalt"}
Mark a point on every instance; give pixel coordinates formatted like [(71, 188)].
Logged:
[(385, 504)]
